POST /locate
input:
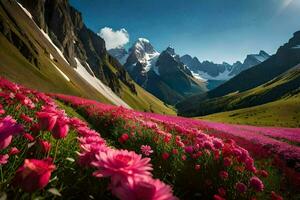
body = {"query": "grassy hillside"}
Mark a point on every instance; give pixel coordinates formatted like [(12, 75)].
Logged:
[(284, 85), (281, 113), (145, 101)]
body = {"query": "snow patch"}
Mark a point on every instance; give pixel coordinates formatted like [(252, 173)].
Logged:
[(51, 57), (221, 77), (25, 10), (143, 40), (98, 85), (197, 76), (56, 48), (150, 60), (61, 72)]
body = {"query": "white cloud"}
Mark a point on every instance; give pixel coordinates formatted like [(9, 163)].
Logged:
[(114, 38)]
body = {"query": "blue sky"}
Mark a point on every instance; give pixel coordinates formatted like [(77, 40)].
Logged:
[(217, 30)]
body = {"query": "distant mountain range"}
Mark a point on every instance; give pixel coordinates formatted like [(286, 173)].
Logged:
[(140, 61), (277, 78), (216, 74), (162, 74)]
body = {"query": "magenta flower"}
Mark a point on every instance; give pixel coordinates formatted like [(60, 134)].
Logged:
[(4, 159), (8, 128), (60, 129), (26, 118), (2, 111), (146, 150), (121, 165), (218, 197), (165, 156), (14, 151), (45, 145), (241, 187), (47, 120), (143, 188), (223, 175), (89, 152), (34, 174), (257, 184), (188, 149), (123, 138), (29, 137)]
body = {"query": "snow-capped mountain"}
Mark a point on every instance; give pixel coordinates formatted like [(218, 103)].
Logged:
[(162, 74), (142, 52)]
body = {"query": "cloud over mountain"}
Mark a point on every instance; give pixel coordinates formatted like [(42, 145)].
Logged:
[(114, 38)]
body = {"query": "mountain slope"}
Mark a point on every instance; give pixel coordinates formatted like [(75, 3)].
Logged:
[(285, 85), (53, 63), (281, 113), (162, 74)]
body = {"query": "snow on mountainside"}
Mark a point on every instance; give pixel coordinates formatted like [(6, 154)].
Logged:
[(98, 85)]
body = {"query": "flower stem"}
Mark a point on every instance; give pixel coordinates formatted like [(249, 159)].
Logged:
[(56, 149)]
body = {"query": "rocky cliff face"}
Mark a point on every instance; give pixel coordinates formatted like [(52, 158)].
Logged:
[(65, 27)]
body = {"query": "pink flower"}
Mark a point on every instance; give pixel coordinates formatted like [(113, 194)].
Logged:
[(28, 137), (89, 152), (197, 167), (218, 144), (8, 128), (217, 197), (263, 173), (146, 150), (14, 151), (121, 165), (2, 111), (222, 192), (188, 149), (45, 145), (4, 159), (227, 162), (275, 196), (123, 138), (241, 187), (144, 188), (26, 118), (165, 155), (34, 174), (223, 175), (60, 129), (47, 120), (257, 184), (175, 151)]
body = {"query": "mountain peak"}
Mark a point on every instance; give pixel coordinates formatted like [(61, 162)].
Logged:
[(143, 40), (264, 54), (170, 50)]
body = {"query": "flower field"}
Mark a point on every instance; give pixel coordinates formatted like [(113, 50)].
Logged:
[(58, 146)]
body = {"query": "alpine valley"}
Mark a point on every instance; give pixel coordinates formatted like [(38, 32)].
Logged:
[(111, 115)]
